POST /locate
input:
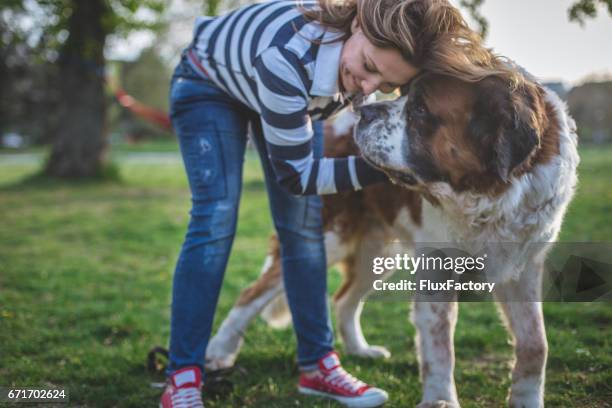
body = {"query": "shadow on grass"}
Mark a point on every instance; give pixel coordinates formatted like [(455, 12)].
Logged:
[(394, 366), (254, 185), (108, 175)]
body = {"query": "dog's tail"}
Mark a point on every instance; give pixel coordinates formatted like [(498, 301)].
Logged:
[(276, 312)]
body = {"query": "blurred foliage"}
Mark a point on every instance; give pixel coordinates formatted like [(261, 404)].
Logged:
[(591, 106), (583, 9), (43, 24), (29, 84), (212, 7), (473, 8), (578, 12), (145, 79)]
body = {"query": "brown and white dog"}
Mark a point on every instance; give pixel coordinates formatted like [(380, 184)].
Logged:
[(472, 163)]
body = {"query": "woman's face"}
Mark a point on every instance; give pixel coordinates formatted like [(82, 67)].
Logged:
[(366, 68)]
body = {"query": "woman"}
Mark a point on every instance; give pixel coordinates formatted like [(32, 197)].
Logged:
[(276, 67)]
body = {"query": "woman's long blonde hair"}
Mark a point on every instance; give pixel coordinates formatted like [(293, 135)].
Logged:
[(430, 34)]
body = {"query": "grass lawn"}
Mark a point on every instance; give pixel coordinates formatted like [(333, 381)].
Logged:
[(85, 277)]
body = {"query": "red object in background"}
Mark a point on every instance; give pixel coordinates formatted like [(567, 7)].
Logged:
[(153, 115)]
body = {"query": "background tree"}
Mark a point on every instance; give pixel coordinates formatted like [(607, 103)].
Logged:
[(80, 142)]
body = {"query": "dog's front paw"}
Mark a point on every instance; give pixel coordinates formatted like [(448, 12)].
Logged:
[(527, 392), (533, 400), (222, 354), (438, 404), (370, 352)]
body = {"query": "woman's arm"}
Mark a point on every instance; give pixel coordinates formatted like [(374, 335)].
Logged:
[(287, 128)]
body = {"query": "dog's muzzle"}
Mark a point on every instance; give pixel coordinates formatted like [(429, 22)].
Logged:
[(370, 113)]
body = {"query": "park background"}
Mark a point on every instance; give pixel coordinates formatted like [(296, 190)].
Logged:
[(94, 205)]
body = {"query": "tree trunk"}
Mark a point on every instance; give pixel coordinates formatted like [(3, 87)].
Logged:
[(80, 144)]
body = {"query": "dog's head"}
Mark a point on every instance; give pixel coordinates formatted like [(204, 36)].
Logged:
[(475, 136)]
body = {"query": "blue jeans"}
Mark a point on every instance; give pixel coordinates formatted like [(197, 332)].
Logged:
[(211, 127)]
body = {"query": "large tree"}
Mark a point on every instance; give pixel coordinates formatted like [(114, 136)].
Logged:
[(80, 141)]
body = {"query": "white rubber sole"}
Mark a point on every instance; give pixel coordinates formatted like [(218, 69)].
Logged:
[(365, 401)]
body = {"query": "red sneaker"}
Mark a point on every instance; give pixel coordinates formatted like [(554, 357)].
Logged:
[(184, 389), (333, 382)]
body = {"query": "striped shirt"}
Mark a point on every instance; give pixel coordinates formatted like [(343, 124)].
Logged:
[(270, 58)]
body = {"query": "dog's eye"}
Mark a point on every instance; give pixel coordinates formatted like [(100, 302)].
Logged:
[(418, 112)]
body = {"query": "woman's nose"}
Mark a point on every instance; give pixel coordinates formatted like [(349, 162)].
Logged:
[(369, 85)]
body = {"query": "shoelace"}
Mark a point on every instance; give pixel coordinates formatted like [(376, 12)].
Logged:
[(340, 378), (187, 398)]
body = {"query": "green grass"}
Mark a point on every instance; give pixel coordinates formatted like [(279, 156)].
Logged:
[(156, 145), (85, 277)]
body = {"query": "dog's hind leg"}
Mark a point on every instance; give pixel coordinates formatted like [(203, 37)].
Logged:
[(348, 300), (525, 322), (224, 347)]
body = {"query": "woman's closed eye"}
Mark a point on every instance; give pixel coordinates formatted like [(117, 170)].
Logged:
[(369, 68)]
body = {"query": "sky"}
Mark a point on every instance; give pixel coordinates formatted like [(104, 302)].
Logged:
[(535, 33), (538, 35)]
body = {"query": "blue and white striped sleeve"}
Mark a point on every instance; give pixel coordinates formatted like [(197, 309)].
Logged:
[(282, 88)]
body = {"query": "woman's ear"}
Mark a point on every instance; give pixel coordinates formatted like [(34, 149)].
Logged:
[(354, 26)]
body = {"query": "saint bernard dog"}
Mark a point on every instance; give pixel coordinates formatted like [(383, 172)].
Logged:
[(471, 163)]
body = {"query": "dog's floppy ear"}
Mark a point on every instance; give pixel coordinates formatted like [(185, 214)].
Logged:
[(404, 89), (514, 146), (514, 123)]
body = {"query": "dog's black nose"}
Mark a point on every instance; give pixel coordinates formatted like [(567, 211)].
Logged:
[(369, 113)]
